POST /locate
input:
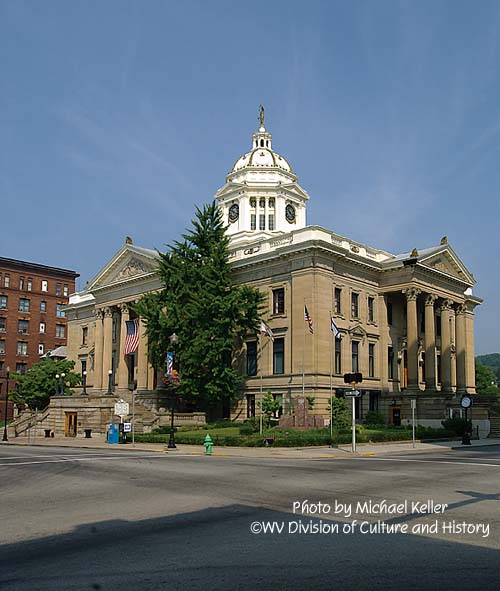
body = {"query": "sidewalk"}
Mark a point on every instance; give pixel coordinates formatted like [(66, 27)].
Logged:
[(343, 451)]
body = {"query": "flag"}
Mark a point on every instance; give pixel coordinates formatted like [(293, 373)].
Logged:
[(170, 364), (132, 338), (334, 328), (264, 328), (308, 319)]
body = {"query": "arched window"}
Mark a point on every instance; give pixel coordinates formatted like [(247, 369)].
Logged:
[(261, 143)]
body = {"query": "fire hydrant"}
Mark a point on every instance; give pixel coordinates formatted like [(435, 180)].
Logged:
[(208, 445)]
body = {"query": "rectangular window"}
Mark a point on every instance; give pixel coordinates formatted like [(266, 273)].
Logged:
[(30, 284), (253, 221), (60, 313), (279, 300), (6, 280), (41, 349), (438, 325), (252, 358), (3, 302), (337, 306), (65, 290), (422, 322), (438, 367), (60, 330), (338, 356), (355, 356), (250, 406), (22, 326), (21, 282), (3, 324), (355, 305), (390, 363), (42, 327), (271, 222), (373, 403), (58, 289), (45, 285), (24, 305), (43, 306), (371, 309), (279, 356), (371, 360), (21, 367), (85, 335), (262, 221), (22, 348), (1, 367), (2, 347), (389, 313)]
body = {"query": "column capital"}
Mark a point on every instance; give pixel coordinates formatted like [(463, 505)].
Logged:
[(108, 312), (412, 293), (430, 299), (99, 313), (446, 304), (124, 309)]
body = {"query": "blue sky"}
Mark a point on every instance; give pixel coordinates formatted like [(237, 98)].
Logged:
[(118, 117)]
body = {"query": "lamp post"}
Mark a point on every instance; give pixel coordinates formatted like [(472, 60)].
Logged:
[(7, 377), (57, 384), (110, 378), (84, 383), (63, 375), (174, 339)]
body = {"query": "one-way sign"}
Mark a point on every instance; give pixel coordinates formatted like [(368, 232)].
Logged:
[(352, 393)]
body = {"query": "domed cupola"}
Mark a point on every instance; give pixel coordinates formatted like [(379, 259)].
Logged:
[(261, 196)]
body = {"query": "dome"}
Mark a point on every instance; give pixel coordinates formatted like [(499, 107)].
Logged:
[(261, 158)]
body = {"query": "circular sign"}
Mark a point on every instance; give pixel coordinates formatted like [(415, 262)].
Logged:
[(234, 212), (290, 213), (466, 402)]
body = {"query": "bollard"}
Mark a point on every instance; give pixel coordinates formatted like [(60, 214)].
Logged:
[(208, 445)]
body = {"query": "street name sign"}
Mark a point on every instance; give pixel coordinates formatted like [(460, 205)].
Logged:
[(352, 393)]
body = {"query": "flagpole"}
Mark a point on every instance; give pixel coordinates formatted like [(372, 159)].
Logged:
[(261, 372), (331, 376), (304, 352)]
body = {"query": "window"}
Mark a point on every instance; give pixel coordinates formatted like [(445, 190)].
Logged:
[(1, 367), (21, 367), (42, 327), (355, 356), (250, 405), (337, 306), (253, 221), (22, 348), (279, 356), (438, 325), (84, 365), (371, 360), (58, 289), (22, 326), (338, 356), (65, 290), (3, 302), (279, 300), (45, 285), (41, 349), (252, 358), (30, 284), (270, 219), (389, 313), (390, 363), (438, 367), (60, 313), (2, 347), (423, 366), (60, 331), (24, 305), (85, 335), (43, 306), (262, 221), (422, 322), (373, 403), (3, 324), (355, 305), (21, 282), (371, 309), (6, 280)]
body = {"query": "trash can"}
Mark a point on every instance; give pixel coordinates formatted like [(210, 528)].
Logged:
[(88, 433), (47, 433)]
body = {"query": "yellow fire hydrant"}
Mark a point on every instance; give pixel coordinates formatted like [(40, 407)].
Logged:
[(208, 445)]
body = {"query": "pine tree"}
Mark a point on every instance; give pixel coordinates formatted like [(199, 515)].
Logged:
[(202, 305)]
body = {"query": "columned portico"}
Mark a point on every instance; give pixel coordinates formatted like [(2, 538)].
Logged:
[(446, 345), (430, 343), (412, 336)]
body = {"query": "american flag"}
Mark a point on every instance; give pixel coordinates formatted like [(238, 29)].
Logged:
[(264, 328), (170, 364), (334, 328), (132, 338), (308, 319)]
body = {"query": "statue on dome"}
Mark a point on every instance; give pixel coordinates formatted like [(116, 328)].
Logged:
[(261, 115)]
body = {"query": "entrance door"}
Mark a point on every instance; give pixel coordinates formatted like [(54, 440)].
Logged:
[(396, 417), (70, 424)]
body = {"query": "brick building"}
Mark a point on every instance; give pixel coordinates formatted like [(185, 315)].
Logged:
[(32, 321)]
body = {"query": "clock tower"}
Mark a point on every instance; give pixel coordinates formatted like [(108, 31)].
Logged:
[(262, 197)]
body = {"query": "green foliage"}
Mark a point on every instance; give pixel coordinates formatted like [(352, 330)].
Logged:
[(269, 405), (457, 425), (310, 402), (210, 314), (374, 417), (38, 384), (341, 413), (486, 381)]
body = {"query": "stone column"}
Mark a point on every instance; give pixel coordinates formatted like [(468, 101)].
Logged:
[(470, 367), (142, 358), (122, 363), (98, 346), (430, 343), (460, 344), (446, 345), (412, 336), (107, 346)]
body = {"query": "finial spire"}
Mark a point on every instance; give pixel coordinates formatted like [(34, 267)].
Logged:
[(261, 115)]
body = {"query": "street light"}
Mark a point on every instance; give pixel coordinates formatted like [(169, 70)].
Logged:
[(7, 377), (63, 375), (110, 377), (174, 339), (57, 384), (84, 383)]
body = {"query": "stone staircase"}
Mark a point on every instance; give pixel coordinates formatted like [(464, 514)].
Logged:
[(26, 421), (494, 423)]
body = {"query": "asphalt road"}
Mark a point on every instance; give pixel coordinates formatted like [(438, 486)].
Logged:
[(90, 519)]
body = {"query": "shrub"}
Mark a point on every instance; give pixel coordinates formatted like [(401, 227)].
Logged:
[(341, 414), (457, 425), (374, 417)]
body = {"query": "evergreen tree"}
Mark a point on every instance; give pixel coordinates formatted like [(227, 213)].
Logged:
[(201, 304)]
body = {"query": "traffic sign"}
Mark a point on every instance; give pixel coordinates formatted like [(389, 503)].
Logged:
[(353, 378), (127, 427), (121, 408), (352, 393)]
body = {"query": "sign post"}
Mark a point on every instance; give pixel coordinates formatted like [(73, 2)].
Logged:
[(413, 407)]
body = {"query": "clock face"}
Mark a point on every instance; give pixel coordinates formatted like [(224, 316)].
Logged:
[(234, 212), (290, 213), (466, 402)]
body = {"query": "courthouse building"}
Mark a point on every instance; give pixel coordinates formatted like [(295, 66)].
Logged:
[(405, 321)]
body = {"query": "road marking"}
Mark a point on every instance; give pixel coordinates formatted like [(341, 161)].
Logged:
[(80, 459), (428, 461)]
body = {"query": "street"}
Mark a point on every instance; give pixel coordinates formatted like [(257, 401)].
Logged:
[(95, 519)]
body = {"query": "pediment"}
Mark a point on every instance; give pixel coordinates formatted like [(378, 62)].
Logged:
[(358, 331), (448, 262)]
